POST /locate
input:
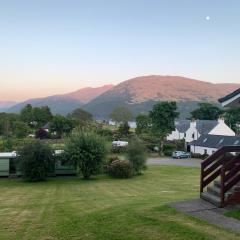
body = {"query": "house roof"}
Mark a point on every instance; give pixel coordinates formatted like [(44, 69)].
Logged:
[(231, 100), (8, 154), (216, 141), (203, 126), (46, 126), (229, 96), (183, 125)]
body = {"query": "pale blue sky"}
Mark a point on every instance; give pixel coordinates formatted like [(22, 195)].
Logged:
[(56, 46)]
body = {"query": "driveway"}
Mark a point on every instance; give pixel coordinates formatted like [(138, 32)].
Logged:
[(188, 162)]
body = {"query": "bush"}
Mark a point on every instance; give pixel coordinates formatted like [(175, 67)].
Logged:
[(86, 151), (136, 154), (35, 161), (168, 149), (120, 169)]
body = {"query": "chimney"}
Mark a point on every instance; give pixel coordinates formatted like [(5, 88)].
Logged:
[(193, 123), (221, 120)]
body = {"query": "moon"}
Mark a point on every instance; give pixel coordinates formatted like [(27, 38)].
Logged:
[(207, 18)]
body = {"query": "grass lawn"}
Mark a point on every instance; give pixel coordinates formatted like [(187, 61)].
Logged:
[(233, 214), (104, 208)]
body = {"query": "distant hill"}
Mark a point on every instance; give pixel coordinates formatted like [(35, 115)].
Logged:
[(4, 105), (85, 95), (63, 104), (140, 93), (58, 104)]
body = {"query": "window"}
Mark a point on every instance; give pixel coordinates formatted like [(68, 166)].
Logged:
[(193, 135), (221, 140), (236, 142), (185, 134), (205, 151)]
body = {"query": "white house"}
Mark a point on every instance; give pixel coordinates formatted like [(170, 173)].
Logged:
[(192, 130), (208, 144)]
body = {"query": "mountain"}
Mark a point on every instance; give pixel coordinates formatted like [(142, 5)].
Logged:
[(58, 104), (85, 95), (66, 103), (4, 105), (139, 94)]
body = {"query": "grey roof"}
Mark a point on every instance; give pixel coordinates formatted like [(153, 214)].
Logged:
[(183, 125), (46, 126), (229, 96), (216, 141), (203, 126)]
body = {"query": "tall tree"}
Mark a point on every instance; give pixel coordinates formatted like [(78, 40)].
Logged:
[(143, 124), (232, 118), (121, 114), (26, 114), (206, 111), (163, 117), (61, 125), (81, 116)]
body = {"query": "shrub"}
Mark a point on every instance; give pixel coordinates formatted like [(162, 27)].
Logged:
[(123, 129), (168, 149), (86, 151), (35, 161), (136, 155), (120, 169)]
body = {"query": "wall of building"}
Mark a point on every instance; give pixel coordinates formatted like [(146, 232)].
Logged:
[(201, 150), (222, 129), (175, 135)]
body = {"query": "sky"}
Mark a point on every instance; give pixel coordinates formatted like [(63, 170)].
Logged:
[(59, 46)]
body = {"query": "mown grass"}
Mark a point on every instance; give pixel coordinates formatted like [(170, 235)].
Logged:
[(104, 208), (233, 214)]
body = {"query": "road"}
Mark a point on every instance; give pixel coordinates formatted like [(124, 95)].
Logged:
[(189, 162)]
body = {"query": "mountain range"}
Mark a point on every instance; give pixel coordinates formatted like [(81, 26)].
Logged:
[(139, 94)]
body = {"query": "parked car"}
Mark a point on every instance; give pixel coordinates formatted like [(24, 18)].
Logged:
[(119, 144), (181, 154)]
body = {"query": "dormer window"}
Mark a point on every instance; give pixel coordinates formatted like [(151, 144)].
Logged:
[(236, 142), (221, 141)]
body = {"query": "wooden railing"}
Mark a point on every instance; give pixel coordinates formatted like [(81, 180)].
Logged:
[(221, 164)]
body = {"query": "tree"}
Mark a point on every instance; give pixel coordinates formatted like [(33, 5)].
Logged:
[(206, 111), (124, 129), (41, 115), (143, 124), (61, 125), (81, 115), (35, 161), (26, 114), (121, 114), (232, 118), (136, 154), (86, 151), (163, 117), (20, 129), (37, 115)]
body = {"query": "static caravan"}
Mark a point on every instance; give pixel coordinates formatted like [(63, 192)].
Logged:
[(7, 164)]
